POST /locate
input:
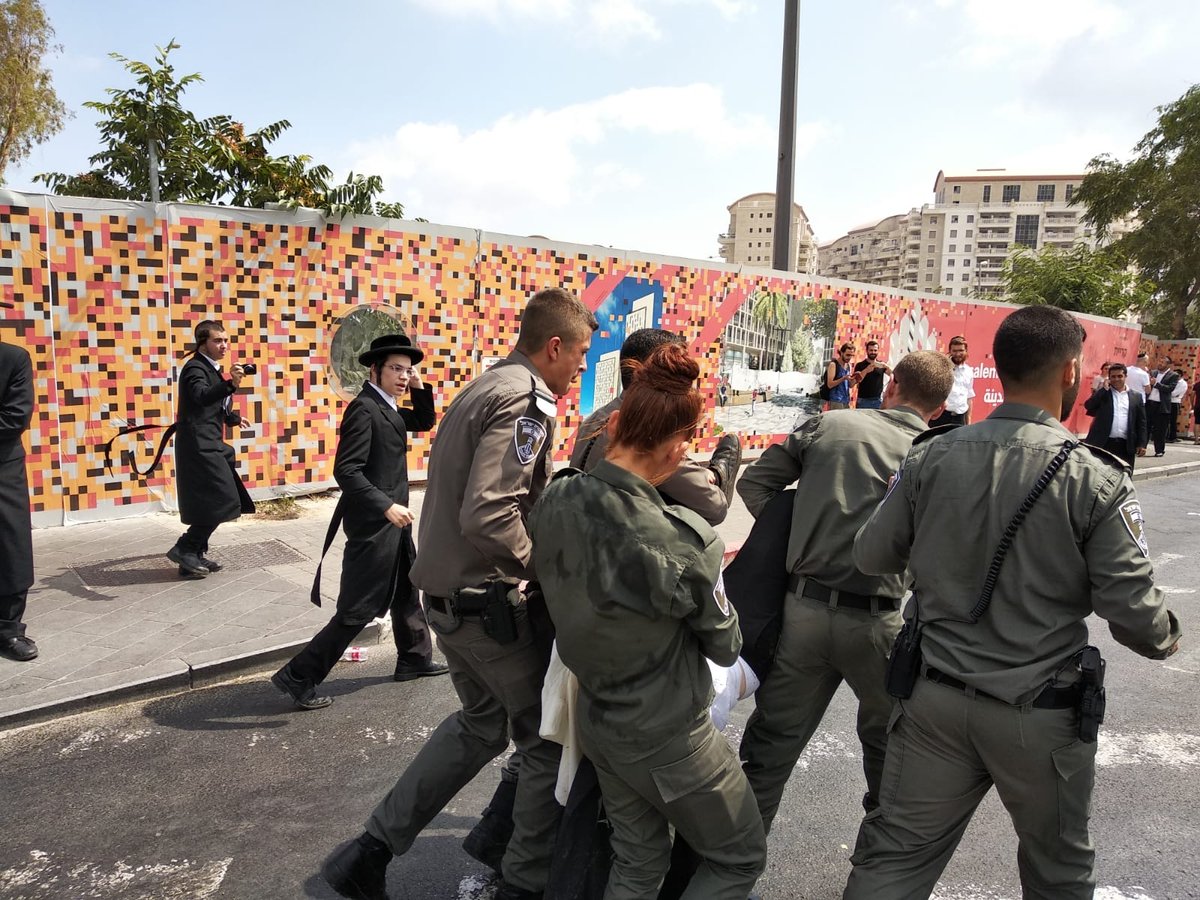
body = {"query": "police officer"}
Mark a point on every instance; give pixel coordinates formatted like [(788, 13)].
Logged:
[(490, 462), (633, 585), (703, 488), (996, 699), (838, 623)]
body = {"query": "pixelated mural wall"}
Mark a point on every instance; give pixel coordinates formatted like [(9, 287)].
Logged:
[(106, 295)]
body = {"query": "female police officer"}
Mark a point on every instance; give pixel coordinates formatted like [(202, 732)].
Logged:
[(634, 588)]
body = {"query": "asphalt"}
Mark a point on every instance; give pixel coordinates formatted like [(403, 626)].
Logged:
[(113, 620)]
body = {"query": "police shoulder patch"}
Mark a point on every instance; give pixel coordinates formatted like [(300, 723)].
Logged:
[(1131, 515), (528, 437), (720, 596)]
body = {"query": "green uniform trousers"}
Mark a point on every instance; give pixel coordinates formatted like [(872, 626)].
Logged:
[(945, 751), (694, 783), (819, 647), (499, 685)]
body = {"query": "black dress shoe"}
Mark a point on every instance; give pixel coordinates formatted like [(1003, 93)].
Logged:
[(211, 564), (20, 648), (188, 562), (726, 461), (409, 671), (303, 694), (190, 576), (358, 868), (508, 891)]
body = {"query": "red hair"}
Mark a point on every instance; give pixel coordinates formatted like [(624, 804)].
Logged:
[(661, 401)]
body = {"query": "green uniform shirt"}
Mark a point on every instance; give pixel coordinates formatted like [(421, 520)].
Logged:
[(1081, 550), (843, 460), (634, 588)]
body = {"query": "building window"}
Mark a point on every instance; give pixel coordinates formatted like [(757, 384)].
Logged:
[(930, 248), (1012, 193), (953, 219), (954, 248), (929, 263), (967, 262), (1045, 193), (950, 263), (768, 231), (929, 277), (958, 189), (769, 215), (1027, 231), (987, 195), (953, 232), (970, 232), (970, 219), (933, 234)]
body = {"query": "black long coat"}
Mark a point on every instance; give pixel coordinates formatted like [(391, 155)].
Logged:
[(206, 479), (16, 411), (371, 468)]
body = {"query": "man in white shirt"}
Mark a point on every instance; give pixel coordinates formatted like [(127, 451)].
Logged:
[(1177, 395), (1138, 377), (958, 404), (1118, 417)]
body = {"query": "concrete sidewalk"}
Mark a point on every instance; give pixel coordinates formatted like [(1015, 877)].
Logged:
[(112, 618)]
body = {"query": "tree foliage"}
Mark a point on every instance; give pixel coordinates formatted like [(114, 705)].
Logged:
[(154, 147), (1157, 188), (1083, 280), (30, 111)]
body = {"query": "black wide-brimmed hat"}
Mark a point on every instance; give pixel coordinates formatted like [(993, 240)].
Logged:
[(382, 347)]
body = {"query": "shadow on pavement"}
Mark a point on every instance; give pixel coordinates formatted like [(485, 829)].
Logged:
[(436, 866), (227, 707), (152, 569)]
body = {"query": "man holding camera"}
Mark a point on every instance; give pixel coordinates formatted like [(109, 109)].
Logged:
[(372, 470), (206, 480)]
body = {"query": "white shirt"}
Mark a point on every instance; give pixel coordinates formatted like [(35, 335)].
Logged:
[(1120, 422), (1179, 390), (385, 395), (228, 401), (964, 389), (1137, 379)]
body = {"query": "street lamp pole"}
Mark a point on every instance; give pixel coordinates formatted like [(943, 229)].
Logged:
[(782, 244)]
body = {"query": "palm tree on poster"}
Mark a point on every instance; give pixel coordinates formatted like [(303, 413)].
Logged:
[(772, 309)]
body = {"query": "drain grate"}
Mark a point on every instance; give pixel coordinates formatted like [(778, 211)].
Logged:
[(151, 569)]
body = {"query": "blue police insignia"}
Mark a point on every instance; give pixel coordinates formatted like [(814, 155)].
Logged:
[(528, 437)]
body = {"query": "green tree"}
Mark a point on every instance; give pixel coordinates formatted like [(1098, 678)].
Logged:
[(1080, 279), (772, 310), (155, 148), (30, 111), (1157, 189)]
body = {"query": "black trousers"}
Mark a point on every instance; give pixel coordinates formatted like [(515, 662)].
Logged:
[(12, 610), (410, 631), (1173, 434), (195, 539), (1161, 425), (1120, 447)]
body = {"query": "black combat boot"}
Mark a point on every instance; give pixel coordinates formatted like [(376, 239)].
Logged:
[(489, 838), (726, 461), (358, 868)]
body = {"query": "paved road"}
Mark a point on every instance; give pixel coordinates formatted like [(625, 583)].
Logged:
[(226, 793)]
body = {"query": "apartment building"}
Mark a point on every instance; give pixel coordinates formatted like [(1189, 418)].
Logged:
[(957, 244), (750, 238)]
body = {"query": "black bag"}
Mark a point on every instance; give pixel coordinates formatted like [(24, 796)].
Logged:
[(823, 390)]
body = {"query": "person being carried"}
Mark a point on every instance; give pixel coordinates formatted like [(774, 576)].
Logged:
[(371, 468)]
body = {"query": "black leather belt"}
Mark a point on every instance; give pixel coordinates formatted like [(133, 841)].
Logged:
[(814, 590), (1051, 697), (463, 606)]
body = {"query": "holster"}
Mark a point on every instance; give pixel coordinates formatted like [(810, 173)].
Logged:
[(490, 603), (904, 663), (1091, 698)]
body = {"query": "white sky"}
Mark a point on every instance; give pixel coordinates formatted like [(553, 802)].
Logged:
[(635, 123)]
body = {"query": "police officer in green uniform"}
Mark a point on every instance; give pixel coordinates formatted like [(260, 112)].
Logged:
[(996, 698), (838, 623), (490, 461), (634, 588)]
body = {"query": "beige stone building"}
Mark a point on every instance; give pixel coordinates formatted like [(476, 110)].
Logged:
[(750, 238), (957, 244)]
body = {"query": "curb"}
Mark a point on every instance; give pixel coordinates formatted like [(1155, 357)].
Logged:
[(1166, 471), (188, 678)]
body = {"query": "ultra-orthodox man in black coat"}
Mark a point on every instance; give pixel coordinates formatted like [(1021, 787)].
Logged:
[(209, 489), (16, 541), (371, 470)]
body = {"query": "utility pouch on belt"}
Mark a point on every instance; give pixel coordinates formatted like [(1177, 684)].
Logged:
[(1091, 698), (499, 621), (904, 663)]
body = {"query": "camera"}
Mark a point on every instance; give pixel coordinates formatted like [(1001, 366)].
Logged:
[(249, 369)]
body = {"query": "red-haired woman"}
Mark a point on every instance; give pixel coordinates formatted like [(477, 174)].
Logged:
[(635, 591)]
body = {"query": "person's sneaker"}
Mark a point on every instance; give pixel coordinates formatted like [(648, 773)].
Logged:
[(424, 669), (20, 648), (187, 562), (303, 694), (358, 868), (211, 564)]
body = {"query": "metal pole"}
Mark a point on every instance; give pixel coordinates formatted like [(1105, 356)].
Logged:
[(780, 256)]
